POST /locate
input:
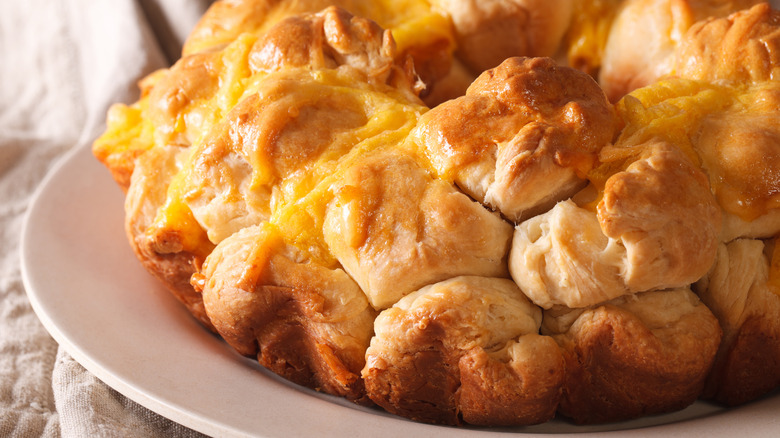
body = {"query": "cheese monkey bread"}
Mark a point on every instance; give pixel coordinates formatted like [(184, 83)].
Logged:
[(418, 206)]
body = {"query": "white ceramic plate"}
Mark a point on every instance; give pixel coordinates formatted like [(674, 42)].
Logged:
[(98, 302)]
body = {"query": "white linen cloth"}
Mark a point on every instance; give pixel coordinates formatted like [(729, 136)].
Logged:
[(62, 63)]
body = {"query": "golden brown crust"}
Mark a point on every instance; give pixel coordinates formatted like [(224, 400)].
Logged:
[(522, 138), (457, 350), (750, 367), (527, 391), (308, 323), (634, 356), (396, 229), (747, 305), (171, 265), (752, 36)]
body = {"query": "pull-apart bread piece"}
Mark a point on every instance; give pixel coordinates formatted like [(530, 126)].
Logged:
[(655, 227), (742, 289), (395, 229), (490, 31), (644, 36), (524, 136), (304, 320), (732, 113), (174, 264), (710, 48), (635, 355), (465, 349)]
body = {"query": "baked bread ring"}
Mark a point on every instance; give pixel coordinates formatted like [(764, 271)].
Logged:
[(292, 183)]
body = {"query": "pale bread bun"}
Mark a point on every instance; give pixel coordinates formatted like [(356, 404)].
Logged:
[(395, 229), (522, 138), (656, 227)]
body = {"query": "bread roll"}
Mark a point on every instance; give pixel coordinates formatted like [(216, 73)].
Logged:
[(741, 289), (524, 136), (490, 31), (644, 36), (307, 322), (711, 47), (656, 227), (395, 229), (730, 130), (466, 347), (636, 355)]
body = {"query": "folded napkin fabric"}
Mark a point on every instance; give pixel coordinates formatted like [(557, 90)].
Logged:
[(62, 64)]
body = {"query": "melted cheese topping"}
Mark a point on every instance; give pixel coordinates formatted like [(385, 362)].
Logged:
[(413, 23), (416, 26), (588, 32), (214, 73), (312, 125), (127, 130), (731, 132), (262, 140)]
